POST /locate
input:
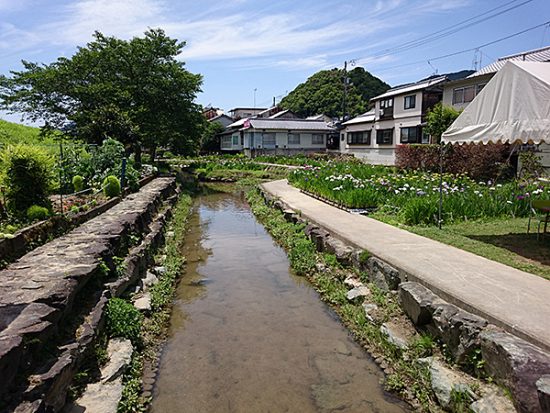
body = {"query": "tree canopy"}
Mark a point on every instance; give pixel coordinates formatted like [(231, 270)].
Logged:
[(323, 93), (135, 91)]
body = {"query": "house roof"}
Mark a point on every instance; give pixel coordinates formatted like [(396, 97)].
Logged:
[(289, 124), (238, 123), (364, 118), (411, 87), (223, 115), (279, 114), (537, 55)]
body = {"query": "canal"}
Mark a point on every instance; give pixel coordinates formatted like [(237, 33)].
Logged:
[(247, 335)]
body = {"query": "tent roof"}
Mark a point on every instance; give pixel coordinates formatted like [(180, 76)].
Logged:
[(512, 107)]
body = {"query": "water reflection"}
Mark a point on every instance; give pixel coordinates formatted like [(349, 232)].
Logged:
[(248, 336)]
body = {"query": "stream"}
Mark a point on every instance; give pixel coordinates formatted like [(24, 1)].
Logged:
[(247, 335)]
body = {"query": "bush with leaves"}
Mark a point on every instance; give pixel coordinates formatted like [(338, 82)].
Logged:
[(37, 213), (27, 175), (111, 186), (123, 320), (78, 183)]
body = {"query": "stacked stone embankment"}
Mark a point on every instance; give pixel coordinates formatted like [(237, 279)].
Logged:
[(52, 299), (511, 357)]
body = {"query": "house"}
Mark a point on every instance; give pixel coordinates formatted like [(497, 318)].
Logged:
[(397, 118), (459, 93), (211, 112), (240, 113), (276, 135), (222, 119)]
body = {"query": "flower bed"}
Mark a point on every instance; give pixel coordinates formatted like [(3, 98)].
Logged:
[(413, 197)]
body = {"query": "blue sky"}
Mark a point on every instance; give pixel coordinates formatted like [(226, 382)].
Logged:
[(272, 46)]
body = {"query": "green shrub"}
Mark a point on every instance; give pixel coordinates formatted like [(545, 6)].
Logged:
[(78, 183), (111, 186), (123, 320), (75, 209), (37, 213), (27, 174)]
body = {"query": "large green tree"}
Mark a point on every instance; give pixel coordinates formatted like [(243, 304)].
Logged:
[(323, 93), (135, 91)]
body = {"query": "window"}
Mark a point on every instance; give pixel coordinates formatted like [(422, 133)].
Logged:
[(386, 103), (268, 139), (293, 138), (242, 139), (317, 139), (358, 138), (410, 102), (235, 140), (226, 142), (410, 135), (384, 136), (466, 94)]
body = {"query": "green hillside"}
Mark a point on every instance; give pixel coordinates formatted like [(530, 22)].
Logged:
[(11, 133), (323, 93)]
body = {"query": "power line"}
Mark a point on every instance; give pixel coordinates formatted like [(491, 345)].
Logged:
[(449, 30), (471, 49)]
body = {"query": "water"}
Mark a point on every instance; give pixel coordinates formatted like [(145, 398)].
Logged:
[(248, 336)]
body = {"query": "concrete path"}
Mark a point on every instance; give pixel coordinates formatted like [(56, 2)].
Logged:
[(515, 300)]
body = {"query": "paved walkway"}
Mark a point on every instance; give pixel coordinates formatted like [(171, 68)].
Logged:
[(515, 300)]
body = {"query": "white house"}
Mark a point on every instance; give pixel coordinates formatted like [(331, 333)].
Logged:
[(397, 118), (276, 135)]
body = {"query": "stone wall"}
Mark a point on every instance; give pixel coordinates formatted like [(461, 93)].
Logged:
[(467, 339), (52, 299)]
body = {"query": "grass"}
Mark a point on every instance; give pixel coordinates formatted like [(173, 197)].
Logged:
[(502, 240), (407, 377)]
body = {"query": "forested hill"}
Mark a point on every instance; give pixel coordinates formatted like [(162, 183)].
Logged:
[(323, 92)]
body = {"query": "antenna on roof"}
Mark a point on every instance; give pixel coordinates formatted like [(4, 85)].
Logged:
[(434, 68)]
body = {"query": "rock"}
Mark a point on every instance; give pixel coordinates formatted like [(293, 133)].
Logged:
[(160, 270), (417, 302), (342, 251), (458, 330), (394, 336), (36, 406), (352, 282), (143, 303), (362, 291), (319, 236), (492, 402), (515, 364), (320, 267), (149, 280), (99, 398), (120, 352), (369, 308), (384, 276), (543, 389), (169, 234), (11, 349), (445, 381)]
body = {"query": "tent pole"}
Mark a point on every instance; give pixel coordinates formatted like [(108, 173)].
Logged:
[(440, 211)]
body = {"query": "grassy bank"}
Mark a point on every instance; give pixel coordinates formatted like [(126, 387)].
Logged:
[(154, 326), (404, 376)]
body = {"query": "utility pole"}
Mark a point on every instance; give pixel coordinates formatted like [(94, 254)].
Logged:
[(255, 89), (344, 100)]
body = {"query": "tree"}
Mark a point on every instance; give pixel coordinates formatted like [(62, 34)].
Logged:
[(210, 141), (323, 93), (135, 91), (438, 120)]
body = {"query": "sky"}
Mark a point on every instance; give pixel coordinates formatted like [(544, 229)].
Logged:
[(252, 51)]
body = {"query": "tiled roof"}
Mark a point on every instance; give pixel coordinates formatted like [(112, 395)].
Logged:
[(411, 87), (538, 55), (290, 124), (365, 117)]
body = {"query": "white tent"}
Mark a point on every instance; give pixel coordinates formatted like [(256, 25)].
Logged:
[(514, 106)]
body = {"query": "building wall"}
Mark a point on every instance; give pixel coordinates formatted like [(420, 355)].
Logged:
[(281, 140), (449, 88)]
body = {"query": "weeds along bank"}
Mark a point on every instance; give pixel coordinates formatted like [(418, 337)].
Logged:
[(437, 357), (73, 334)]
